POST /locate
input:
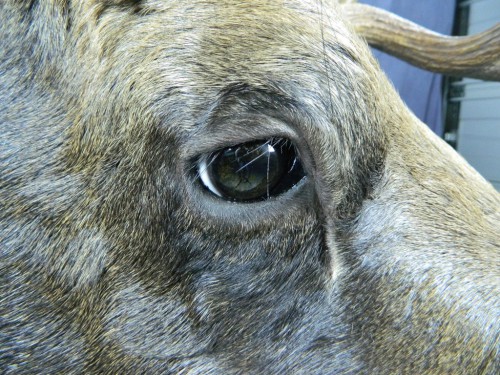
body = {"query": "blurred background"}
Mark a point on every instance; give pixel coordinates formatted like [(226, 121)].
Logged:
[(463, 111)]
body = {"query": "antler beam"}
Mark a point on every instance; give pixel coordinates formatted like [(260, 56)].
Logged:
[(475, 56)]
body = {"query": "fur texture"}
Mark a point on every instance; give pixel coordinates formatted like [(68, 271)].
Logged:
[(115, 260)]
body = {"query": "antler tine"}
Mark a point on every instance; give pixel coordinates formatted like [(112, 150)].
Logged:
[(475, 56)]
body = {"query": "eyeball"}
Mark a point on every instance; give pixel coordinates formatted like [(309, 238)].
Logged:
[(251, 171)]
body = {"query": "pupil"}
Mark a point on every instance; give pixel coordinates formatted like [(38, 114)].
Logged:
[(247, 171)]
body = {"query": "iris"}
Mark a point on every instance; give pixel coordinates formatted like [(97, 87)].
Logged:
[(251, 171)]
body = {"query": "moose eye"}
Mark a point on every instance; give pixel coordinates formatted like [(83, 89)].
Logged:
[(251, 171)]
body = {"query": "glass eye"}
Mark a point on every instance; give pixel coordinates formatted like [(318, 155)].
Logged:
[(251, 171)]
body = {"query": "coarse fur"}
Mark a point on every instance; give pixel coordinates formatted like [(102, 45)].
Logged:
[(116, 260)]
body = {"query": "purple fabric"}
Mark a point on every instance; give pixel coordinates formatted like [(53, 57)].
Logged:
[(421, 90)]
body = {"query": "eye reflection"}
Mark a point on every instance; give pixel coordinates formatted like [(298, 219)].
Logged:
[(251, 171)]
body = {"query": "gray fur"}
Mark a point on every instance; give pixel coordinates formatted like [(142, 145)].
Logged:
[(115, 260)]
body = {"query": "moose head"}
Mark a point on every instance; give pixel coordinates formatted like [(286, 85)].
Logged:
[(228, 187)]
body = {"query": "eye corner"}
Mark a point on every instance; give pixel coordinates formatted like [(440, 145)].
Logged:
[(204, 177)]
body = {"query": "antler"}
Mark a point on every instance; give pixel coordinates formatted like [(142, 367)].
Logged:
[(476, 56)]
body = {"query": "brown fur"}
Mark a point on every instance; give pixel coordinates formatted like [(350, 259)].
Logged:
[(115, 260)]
